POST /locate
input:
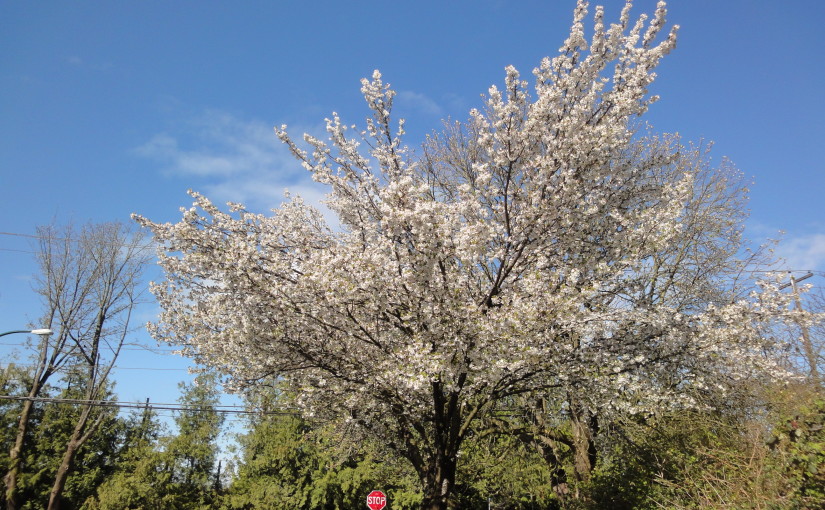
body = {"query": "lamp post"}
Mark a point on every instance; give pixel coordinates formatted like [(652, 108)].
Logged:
[(41, 332), (13, 467)]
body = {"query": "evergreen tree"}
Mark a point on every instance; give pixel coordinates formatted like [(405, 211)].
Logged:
[(50, 426), (190, 457), (286, 462), (137, 482), (14, 383), (175, 471)]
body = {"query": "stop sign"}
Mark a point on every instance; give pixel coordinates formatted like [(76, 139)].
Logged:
[(376, 500)]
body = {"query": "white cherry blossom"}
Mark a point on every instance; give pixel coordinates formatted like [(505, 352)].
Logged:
[(523, 251)]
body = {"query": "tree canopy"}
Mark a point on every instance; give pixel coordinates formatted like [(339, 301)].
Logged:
[(520, 253)]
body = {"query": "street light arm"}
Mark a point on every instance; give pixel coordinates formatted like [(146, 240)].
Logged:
[(40, 332)]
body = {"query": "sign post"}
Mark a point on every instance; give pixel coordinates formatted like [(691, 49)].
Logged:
[(376, 500)]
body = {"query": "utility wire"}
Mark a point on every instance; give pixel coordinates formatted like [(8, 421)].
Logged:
[(116, 367), (18, 251), (30, 236), (225, 409), (149, 245), (152, 350)]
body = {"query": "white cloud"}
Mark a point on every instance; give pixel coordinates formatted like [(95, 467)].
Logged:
[(414, 102), (803, 252), (230, 159)]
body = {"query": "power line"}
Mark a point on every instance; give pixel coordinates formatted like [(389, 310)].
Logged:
[(18, 251), (223, 409), (150, 244), (151, 368), (153, 350), (116, 367), (30, 236), (44, 238)]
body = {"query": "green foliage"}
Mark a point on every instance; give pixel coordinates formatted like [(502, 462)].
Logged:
[(14, 380), (171, 472), (801, 442), (287, 464), (96, 459), (138, 482), (50, 426), (276, 468), (504, 472), (687, 460), (350, 469), (769, 454), (190, 456), (143, 487), (762, 453)]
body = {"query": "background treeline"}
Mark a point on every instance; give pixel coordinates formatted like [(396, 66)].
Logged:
[(766, 449)]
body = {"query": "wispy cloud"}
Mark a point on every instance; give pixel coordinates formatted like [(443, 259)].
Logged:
[(232, 159), (80, 63), (803, 252), (415, 102)]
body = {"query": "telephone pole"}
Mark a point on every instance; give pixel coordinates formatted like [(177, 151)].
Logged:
[(807, 346)]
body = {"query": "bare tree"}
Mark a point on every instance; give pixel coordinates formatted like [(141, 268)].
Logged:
[(89, 282)]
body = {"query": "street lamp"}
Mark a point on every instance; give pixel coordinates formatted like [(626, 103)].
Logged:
[(41, 332)]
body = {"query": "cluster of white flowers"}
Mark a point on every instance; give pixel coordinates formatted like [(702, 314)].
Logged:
[(539, 247)]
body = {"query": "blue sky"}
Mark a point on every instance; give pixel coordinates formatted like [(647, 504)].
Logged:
[(110, 108)]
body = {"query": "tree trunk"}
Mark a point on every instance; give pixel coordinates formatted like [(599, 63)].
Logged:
[(62, 474), (438, 484), (16, 452), (75, 442), (438, 477), (551, 456), (585, 456)]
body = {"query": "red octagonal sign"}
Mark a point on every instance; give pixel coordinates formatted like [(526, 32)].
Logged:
[(376, 500)]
